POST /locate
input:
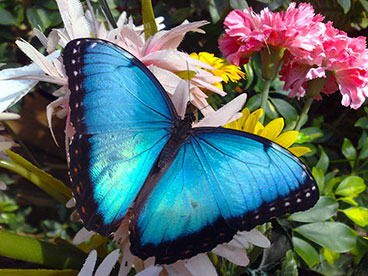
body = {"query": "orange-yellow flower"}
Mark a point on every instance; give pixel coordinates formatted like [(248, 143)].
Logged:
[(249, 122), (224, 70)]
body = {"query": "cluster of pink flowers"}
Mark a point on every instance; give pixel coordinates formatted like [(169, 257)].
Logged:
[(313, 50)]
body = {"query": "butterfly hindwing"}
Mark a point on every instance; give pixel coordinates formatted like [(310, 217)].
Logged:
[(121, 116), (221, 181)]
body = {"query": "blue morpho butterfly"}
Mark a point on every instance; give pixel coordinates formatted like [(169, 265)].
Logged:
[(185, 189)]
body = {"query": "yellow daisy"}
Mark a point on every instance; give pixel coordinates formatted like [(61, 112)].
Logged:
[(224, 70), (249, 122)]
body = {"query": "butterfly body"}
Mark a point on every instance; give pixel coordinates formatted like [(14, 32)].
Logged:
[(184, 189)]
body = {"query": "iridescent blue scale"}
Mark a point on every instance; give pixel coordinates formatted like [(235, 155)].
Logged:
[(185, 190)]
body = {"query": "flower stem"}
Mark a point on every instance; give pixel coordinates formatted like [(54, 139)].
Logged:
[(265, 91), (303, 115)]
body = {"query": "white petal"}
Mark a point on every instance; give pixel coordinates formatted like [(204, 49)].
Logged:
[(82, 236), (201, 265), (41, 37), (150, 271), (122, 20), (174, 60), (255, 237), (181, 97), (171, 39), (178, 268), (38, 58), (168, 80), (89, 264), (71, 203), (241, 241), (2, 185), (126, 262), (50, 111), (11, 91), (234, 254), (72, 14), (108, 263), (223, 115), (54, 40), (9, 116)]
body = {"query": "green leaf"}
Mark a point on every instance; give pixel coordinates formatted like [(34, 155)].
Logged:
[(345, 4), (364, 151), (364, 3), (313, 132), (35, 251), (363, 138), (6, 18), (289, 267), (249, 75), (349, 151), (217, 8), (325, 208), (302, 138), (349, 199), (331, 185), (253, 102), (306, 251), (239, 4), (285, 109), (335, 236), (38, 272), (319, 177), (362, 122), (359, 215), (149, 22), (323, 161), (330, 256), (45, 181), (352, 185), (271, 111), (38, 17)]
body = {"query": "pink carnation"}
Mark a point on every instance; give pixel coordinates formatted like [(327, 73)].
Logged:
[(340, 59), (295, 29)]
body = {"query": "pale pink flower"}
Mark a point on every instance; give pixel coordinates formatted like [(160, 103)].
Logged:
[(247, 32), (341, 60)]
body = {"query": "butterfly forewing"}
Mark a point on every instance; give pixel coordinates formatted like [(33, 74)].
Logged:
[(122, 119)]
